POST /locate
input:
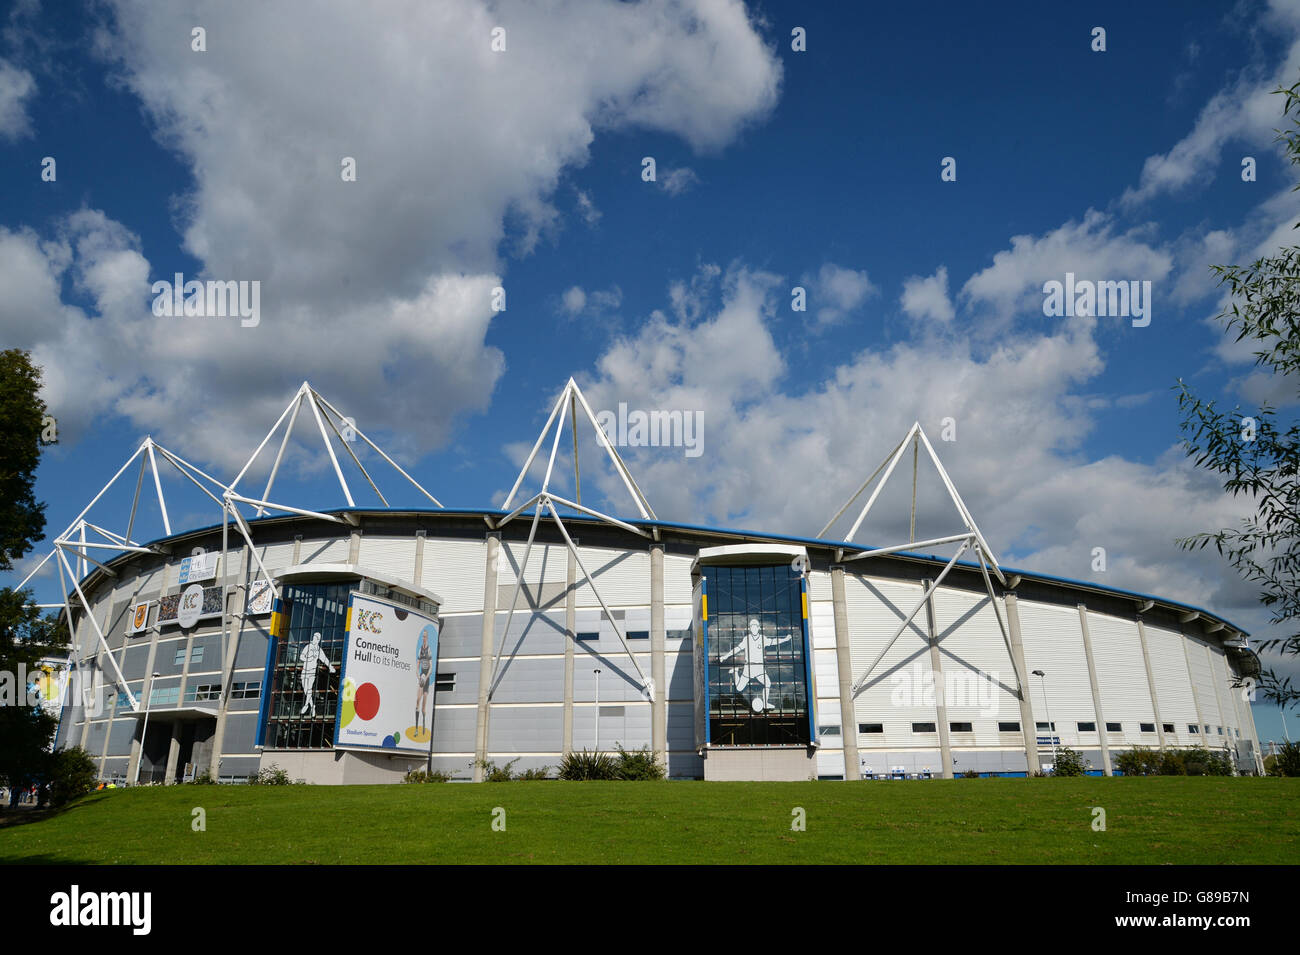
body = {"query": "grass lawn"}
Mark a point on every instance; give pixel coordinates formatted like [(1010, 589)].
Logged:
[(1200, 820)]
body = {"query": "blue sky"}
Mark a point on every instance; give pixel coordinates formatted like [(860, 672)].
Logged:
[(776, 169)]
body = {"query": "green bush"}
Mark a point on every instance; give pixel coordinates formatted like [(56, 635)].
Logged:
[(543, 772), (587, 765), (72, 773), (1069, 763), (1138, 761), (423, 776), (1172, 763), (204, 778), (969, 774), (271, 775), (641, 764), (492, 773), (1287, 761)]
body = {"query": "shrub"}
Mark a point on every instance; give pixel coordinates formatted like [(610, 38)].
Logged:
[(969, 774), (587, 765), (1172, 763), (492, 773), (271, 775), (72, 773), (1287, 761), (204, 778), (1138, 761), (423, 776), (1201, 762), (1069, 763), (641, 764), (543, 772)]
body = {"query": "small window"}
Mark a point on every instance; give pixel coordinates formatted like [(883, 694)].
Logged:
[(1147, 727), (1114, 728), (246, 691), (828, 730), (1207, 729), (923, 728), (588, 636), (961, 728), (1220, 729), (179, 659), (871, 727), (196, 655), (1193, 728), (445, 682), (1168, 727), (1046, 727), (164, 695), (1008, 727), (202, 692), (638, 634), (1087, 727)]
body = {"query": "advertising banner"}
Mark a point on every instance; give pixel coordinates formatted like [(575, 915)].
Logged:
[(388, 677), (138, 620), (169, 606), (198, 568)]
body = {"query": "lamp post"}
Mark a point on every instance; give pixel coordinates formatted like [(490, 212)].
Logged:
[(144, 732), (597, 672), (1051, 727)]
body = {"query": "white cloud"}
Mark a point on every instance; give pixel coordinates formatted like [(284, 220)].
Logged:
[(677, 181), (1246, 110), (16, 87), (927, 298), (1092, 249), (587, 208), (838, 291), (574, 300), (458, 151)]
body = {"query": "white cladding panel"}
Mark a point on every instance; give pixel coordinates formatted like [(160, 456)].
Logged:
[(1218, 711), (1053, 643), (622, 576), (548, 563), (324, 552), (1204, 683), (978, 676), (455, 570), (819, 585), (825, 678), (821, 621), (1222, 677), (677, 579), (1169, 667), (394, 556), (274, 557), (875, 609), (1121, 672)]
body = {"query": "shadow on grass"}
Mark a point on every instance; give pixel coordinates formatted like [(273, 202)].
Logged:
[(25, 815)]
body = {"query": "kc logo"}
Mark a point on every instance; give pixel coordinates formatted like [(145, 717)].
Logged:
[(191, 600), (368, 620)]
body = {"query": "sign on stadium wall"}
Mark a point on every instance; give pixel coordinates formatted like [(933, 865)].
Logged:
[(388, 677), (259, 598), (138, 619), (169, 605), (197, 568)]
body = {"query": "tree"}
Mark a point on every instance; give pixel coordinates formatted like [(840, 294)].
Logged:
[(22, 519), (1258, 454), (25, 634)]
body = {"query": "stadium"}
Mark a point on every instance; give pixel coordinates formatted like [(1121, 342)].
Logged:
[(357, 644)]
